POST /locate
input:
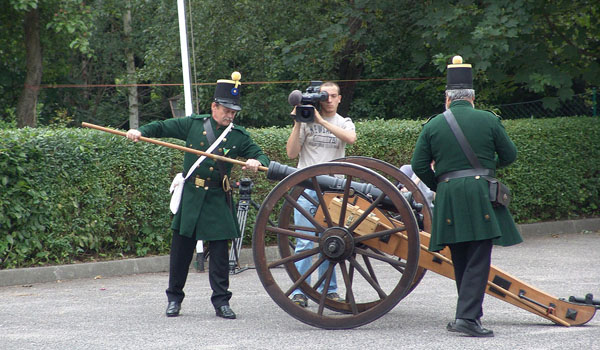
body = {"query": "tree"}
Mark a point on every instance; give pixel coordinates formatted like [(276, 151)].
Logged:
[(134, 114), (70, 18), (388, 56), (26, 114), (519, 48)]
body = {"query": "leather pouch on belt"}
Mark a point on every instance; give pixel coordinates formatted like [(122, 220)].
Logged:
[(499, 193)]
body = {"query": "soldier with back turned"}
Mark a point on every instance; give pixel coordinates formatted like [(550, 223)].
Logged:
[(464, 219)]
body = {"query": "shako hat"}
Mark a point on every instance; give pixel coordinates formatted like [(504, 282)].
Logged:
[(459, 75), (227, 92)]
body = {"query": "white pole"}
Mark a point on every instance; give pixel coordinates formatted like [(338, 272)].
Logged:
[(185, 68), (185, 64)]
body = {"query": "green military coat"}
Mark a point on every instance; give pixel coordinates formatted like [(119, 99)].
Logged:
[(462, 210), (204, 213)]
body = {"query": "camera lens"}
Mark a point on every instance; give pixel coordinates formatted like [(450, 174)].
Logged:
[(305, 113)]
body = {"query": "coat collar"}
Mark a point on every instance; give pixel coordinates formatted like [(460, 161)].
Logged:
[(461, 103)]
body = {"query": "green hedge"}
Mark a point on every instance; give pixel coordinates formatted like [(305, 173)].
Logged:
[(70, 194), (78, 194)]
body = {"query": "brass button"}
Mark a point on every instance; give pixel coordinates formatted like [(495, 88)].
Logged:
[(190, 145), (477, 177), (220, 149), (201, 143), (447, 180), (204, 132), (211, 168), (448, 221), (208, 179), (206, 188), (487, 216), (225, 139)]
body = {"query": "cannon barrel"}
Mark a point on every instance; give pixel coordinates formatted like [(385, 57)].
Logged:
[(278, 172)]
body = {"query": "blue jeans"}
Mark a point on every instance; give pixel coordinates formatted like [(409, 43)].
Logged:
[(304, 244)]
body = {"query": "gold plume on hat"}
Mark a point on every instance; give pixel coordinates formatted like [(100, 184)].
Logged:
[(457, 61), (236, 76)]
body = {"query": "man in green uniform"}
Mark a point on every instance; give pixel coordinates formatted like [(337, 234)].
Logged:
[(463, 216), (205, 211)]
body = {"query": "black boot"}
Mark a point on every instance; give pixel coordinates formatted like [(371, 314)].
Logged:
[(173, 309), (469, 327)]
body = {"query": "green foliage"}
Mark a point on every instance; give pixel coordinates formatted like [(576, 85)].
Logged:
[(388, 55), (74, 195), (24, 5), (75, 18), (502, 41)]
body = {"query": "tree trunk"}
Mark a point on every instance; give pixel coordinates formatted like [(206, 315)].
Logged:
[(134, 113), (350, 68), (26, 107), (351, 72)]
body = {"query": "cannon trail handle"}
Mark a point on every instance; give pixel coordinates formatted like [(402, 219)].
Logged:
[(536, 306), (171, 145)]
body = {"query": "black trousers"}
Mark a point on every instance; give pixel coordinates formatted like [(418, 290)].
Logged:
[(471, 268), (182, 251)]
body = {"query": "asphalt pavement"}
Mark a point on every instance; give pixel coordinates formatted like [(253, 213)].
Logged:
[(92, 307)]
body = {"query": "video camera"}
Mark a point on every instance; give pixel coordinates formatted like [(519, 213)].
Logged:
[(306, 103)]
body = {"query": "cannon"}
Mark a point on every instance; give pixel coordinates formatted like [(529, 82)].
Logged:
[(372, 222), (368, 229)]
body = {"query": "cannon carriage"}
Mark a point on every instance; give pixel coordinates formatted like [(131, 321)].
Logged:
[(372, 227)]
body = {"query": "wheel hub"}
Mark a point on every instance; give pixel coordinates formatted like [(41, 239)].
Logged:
[(336, 243)]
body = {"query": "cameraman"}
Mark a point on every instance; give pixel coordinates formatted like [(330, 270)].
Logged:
[(319, 141)]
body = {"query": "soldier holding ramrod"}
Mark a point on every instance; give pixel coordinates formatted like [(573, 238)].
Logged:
[(205, 211)]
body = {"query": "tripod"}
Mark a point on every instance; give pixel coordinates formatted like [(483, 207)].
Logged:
[(245, 190)]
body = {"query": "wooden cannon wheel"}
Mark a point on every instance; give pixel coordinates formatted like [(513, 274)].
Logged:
[(360, 268)]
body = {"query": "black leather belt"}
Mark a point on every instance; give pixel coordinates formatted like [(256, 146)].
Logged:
[(199, 182), (465, 173)]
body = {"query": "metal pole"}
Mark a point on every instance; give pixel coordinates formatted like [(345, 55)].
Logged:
[(185, 64)]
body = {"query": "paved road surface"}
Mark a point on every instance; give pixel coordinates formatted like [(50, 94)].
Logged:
[(128, 312)]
